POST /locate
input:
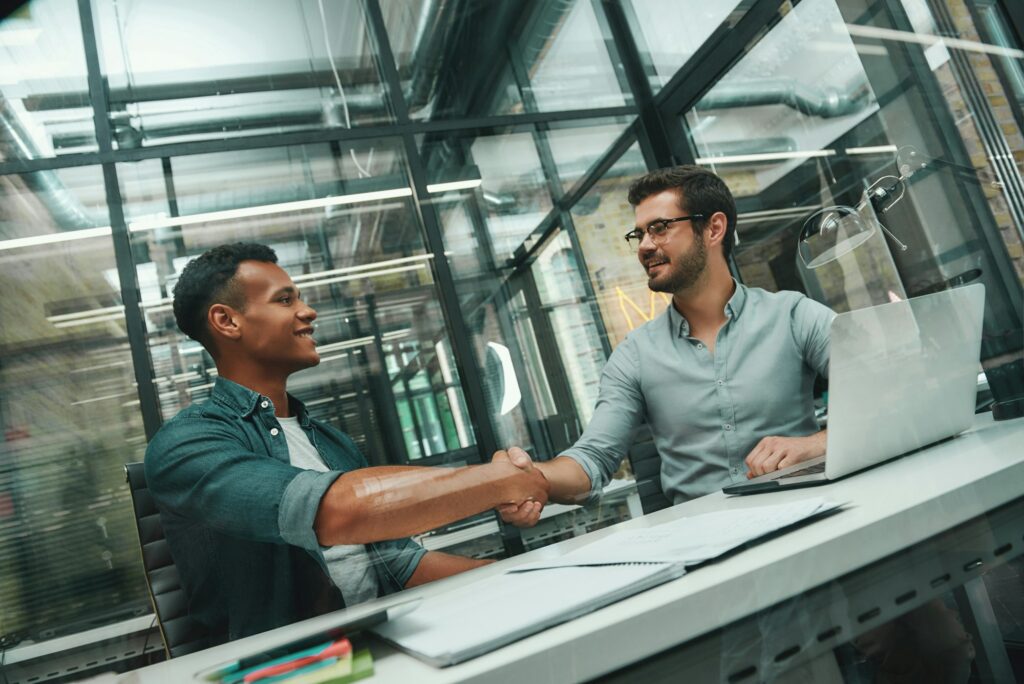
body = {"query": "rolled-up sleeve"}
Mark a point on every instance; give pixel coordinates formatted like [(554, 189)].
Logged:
[(400, 559), (810, 323), (203, 470), (618, 414)]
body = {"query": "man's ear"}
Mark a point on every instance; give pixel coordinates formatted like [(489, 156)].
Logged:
[(716, 229), (223, 322)]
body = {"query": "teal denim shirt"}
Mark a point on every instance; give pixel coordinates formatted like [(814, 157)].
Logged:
[(239, 517)]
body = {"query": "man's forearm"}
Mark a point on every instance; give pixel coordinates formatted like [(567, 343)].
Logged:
[(390, 502), (568, 481)]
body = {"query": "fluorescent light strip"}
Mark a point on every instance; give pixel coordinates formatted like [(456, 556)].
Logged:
[(168, 221), (89, 321), (305, 278), (51, 238), (768, 156), (103, 398), (931, 39), (325, 359), (85, 314), (877, 149), (335, 346), (454, 185), (367, 274)]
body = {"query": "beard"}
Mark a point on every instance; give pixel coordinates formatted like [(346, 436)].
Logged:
[(683, 271)]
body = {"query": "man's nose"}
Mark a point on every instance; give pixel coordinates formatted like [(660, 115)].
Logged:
[(308, 313), (646, 245)]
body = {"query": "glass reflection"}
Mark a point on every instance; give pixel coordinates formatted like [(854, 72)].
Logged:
[(69, 413), (508, 190), (669, 32), (576, 146), (488, 58), (601, 218), (537, 342), (784, 102), (195, 71), (386, 375), (45, 110)]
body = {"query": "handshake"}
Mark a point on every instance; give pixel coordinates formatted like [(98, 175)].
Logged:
[(529, 491)]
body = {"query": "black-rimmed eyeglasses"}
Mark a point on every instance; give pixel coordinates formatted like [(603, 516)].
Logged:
[(657, 229)]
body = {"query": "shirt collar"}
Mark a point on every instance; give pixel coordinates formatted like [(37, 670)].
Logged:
[(733, 308), (246, 402)]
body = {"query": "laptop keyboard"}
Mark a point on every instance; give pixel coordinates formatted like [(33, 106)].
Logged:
[(810, 470)]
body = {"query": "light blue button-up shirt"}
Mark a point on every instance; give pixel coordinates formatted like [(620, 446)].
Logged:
[(707, 410)]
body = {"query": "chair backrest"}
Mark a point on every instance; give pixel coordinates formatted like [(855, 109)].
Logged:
[(181, 634), (646, 464)]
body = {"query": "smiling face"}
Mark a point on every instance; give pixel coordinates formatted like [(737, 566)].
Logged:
[(276, 327), (680, 258)]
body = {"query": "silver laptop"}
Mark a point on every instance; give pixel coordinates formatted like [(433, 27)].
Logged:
[(901, 376)]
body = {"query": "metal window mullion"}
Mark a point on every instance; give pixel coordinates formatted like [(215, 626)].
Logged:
[(128, 280), (1014, 12), (949, 136), (661, 141), (997, 149), (312, 136), (465, 357)]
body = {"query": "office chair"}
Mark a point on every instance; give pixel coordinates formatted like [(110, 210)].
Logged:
[(181, 634), (646, 464)]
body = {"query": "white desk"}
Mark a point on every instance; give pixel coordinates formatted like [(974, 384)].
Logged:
[(894, 507)]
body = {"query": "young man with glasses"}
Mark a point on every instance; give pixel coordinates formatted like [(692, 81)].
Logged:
[(271, 515), (723, 377)]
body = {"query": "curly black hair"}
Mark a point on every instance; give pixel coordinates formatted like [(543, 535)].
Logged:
[(702, 191), (210, 279)]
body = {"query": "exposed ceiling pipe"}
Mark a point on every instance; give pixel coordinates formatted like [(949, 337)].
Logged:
[(826, 103), (16, 143)]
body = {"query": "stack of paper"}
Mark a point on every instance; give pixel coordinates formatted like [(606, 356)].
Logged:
[(477, 618), (480, 617), (690, 541)]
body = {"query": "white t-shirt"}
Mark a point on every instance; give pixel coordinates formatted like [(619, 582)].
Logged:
[(349, 565)]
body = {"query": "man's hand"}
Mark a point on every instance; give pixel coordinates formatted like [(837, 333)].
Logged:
[(774, 453), (526, 513)]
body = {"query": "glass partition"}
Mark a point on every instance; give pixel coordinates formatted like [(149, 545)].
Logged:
[(884, 121), (602, 217), (69, 413), (485, 58), (195, 71), (45, 109), (351, 244), (669, 32), (576, 145)]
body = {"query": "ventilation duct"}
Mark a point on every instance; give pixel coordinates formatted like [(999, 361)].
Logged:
[(17, 143), (826, 103)]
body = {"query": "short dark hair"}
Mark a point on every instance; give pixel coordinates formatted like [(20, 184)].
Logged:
[(210, 279), (701, 191)]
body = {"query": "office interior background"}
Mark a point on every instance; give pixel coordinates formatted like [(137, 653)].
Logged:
[(445, 180)]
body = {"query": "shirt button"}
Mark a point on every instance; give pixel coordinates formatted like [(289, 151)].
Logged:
[(264, 403), (700, 346), (274, 431), (727, 426), (721, 382)]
